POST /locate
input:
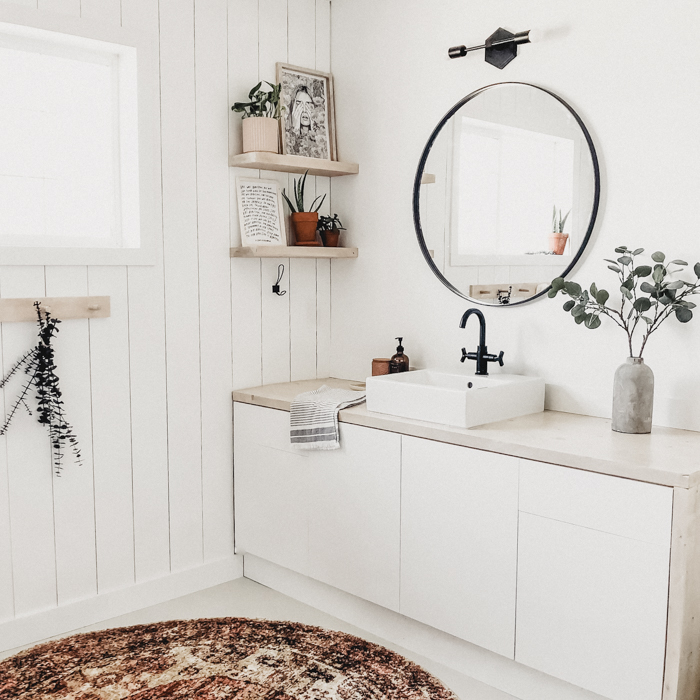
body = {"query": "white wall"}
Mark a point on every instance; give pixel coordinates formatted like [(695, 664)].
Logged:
[(149, 389), (628, 68)]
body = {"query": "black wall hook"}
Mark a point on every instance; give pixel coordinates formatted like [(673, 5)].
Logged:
[(276, 285)]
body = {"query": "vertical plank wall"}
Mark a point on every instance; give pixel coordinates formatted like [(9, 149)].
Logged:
[(149, 389)]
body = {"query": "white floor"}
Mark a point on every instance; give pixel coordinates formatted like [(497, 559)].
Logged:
[(245, 598)]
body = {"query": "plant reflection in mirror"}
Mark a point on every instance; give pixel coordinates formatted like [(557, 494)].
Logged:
[(644, 302), (40, 367)]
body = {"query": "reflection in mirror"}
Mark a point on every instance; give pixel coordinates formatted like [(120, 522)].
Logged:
[(507, 194)]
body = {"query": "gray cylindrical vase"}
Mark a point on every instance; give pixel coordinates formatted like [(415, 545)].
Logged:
[(633, 397)]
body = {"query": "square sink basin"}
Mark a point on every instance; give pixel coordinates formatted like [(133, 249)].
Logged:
[(461, 400)]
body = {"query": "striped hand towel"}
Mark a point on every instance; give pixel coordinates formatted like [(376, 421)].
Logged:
[(314, 417)]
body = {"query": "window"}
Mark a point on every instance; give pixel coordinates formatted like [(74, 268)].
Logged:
[(70, 163)]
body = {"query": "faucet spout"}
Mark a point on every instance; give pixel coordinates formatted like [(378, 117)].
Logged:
[(482, 324)]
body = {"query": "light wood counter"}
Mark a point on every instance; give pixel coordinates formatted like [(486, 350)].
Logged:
[(666, 456)]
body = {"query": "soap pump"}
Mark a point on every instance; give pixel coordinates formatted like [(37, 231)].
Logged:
[(399, 362)]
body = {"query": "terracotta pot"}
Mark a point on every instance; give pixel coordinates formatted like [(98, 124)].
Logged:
[(260, 134), (330, 238), (557, 242), (304, 223)]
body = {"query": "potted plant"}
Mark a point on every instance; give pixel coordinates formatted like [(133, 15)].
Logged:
[(260, 118), (330, 227), (649, 295), (304, 222), (557, 239)]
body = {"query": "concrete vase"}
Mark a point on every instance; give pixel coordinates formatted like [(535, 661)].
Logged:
[(633, 397)]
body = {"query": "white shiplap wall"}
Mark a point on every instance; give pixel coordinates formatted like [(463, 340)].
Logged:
[(148, 390)]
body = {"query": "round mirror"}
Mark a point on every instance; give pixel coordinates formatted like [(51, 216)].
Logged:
[(506, 194)]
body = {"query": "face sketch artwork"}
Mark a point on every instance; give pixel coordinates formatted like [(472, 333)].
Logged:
[(306, 120), (302, 108)]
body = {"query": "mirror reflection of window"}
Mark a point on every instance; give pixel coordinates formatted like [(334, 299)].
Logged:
[(508, 180)]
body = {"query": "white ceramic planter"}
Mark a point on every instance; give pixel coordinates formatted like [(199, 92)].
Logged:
[(260, 134)]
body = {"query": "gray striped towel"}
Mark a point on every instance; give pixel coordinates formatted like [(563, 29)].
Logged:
[(313, 420)]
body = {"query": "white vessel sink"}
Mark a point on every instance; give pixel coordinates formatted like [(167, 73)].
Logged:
[(461, 400)]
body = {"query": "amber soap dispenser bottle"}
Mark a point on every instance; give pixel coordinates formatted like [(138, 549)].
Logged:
[(399, 362)]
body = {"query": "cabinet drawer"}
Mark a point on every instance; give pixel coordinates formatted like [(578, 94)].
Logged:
[(610, 504)]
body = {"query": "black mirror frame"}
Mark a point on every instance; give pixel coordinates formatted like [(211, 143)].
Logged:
[(419, 176)]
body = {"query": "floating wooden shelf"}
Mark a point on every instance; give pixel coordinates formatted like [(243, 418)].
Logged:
[(62, 308), (294, 251), (260, 160)]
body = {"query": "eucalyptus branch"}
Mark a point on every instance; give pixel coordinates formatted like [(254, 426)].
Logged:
[(667, 296), (40, 368)]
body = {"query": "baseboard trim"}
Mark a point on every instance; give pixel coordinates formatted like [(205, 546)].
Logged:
[(66, 618), (473, 661)]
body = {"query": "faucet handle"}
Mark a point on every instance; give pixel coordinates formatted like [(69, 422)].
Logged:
[(464, 354), (500, 358)]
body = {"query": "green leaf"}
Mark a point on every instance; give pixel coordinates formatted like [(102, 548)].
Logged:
[(569, 305), (626, 292), (647, 288), (658, 274), (648, 320), (580, 319), (572, 289), (594, 290), (676, 284), (578, 310), (558, 283), (696, 269), (601, 297), (615, 268), (592, 321), (638, 251), (625, 260), (678, 262), (642, 304), (629, 283), (552, 293), (621, 249), (688, 304), (658, 256), (683, 315), (642, 271)]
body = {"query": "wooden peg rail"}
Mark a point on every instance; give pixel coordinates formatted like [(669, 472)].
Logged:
[(63, 308)]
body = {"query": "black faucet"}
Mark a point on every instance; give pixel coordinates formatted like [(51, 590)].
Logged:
[(481, 355)]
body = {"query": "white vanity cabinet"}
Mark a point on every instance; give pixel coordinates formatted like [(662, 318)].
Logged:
[(331, 515), (459, 539), (593, 578), (578, 558)]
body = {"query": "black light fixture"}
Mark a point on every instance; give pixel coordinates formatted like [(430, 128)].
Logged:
[(500, 48)]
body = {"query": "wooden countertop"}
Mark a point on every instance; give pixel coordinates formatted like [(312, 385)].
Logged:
[(666, 456)]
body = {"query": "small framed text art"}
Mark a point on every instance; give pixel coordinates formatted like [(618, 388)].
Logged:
[(260, 212), (308, 119)]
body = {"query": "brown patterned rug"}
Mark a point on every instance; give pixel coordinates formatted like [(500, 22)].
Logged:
[(217, 659)]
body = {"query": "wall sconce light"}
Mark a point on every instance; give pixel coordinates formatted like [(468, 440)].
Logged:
[(500, 48)]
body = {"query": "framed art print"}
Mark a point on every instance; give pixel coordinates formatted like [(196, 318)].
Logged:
[(308, 119), (260, 212)]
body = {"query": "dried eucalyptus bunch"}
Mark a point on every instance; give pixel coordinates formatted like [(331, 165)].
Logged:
[(650, 294), (40, 367)]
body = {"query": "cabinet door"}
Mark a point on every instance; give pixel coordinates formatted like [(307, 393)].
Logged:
[(592, 603), (354, 515), (270, 487), (332, 515), (459, 541)]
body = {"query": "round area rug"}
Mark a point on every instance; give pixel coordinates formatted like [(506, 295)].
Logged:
[(215, 659)]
